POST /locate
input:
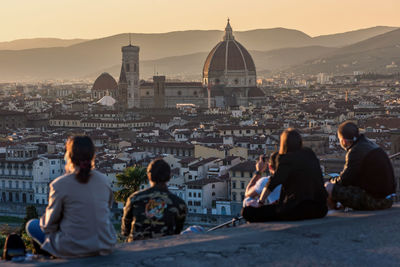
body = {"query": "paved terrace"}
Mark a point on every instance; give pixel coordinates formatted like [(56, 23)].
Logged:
[(340, 239)]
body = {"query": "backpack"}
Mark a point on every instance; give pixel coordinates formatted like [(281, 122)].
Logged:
[(13, 247)]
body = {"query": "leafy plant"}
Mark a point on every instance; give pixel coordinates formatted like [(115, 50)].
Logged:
[(129, 182)]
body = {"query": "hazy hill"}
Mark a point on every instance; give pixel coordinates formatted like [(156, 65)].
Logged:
[(190, 66), (371, 55), (172, 53), (351, 37), (21, 44)]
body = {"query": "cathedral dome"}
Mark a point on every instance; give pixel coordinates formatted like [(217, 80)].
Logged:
[(229, 63), (105, 82)]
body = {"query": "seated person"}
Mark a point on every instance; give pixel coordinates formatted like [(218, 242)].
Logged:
[(303, 195), (77, 219), (367, 180), (155, 211), (256, 185)]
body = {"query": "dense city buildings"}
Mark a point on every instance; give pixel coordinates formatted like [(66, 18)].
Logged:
[(211, 131)]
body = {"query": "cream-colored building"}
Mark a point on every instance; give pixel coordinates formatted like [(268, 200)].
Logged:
[(240, 175)]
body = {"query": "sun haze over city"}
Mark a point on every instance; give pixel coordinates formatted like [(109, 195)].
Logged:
[(97, 18)]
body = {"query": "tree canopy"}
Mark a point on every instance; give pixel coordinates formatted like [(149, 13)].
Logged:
[(129, 182)]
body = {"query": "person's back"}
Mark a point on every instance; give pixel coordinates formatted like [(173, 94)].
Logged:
[(377, 174), (153, 212), (303, 195), (303, 180), (367, 180), (85, 228), (77, 221)]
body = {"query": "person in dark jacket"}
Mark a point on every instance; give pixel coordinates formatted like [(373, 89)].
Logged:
[(367, 180), (303, 195), (155, 211)]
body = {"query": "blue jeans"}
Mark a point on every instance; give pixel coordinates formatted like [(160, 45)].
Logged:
[(33, 230)]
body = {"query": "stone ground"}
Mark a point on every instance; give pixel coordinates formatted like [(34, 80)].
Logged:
[(340, 239)]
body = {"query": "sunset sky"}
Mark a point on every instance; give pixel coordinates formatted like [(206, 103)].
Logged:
[(99, 18)]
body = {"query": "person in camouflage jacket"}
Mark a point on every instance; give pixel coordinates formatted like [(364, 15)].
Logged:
[(155, 211)]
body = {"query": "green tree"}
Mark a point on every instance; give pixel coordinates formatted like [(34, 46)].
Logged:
[(129, 182)]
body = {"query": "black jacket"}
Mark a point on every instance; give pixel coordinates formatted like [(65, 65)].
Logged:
[(368, 167), (301, 178)]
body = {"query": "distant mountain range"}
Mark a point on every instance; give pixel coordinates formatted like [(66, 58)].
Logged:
[(375, 54), (182, 54), (21, 44)]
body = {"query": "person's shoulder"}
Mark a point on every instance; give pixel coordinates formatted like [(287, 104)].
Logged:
[(176, 199), (263, 180), (141, 194), (62, 180), (307, 151), (100, 176)]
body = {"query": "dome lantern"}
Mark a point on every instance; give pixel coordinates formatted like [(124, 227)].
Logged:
[(228, 32)]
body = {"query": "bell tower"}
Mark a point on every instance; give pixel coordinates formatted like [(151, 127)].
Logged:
[(130, 62)]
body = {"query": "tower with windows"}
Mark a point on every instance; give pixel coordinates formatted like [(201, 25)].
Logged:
[(130, 62)]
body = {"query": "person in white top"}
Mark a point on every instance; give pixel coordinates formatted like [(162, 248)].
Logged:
[(257, 183)]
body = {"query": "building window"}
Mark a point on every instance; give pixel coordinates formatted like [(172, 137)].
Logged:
[(213, 186), (190, 194), (194, 195), (9, 184), (234, 196), (128, 67), (41, 163), (179, 93), (242, 185), (213, 194), (53, 162), (199, 195), (242, 174), (234, 185), (134, 67)]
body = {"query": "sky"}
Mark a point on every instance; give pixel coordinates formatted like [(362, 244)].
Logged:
[(99, 18)]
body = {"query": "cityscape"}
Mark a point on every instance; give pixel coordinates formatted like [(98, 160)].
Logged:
[(208, 112)]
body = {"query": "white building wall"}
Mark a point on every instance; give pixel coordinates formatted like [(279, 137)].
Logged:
[(41, 180)]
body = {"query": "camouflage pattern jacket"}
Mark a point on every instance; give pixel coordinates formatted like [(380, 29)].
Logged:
[(153, 212)]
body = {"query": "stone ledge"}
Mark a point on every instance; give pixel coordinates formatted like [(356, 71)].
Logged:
[(342, 239)]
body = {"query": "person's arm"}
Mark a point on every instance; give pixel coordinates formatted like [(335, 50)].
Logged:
[(50, 221), (127, 218), (350, 171), (261, 167), (280, 176), (181, 217), (250, 190)]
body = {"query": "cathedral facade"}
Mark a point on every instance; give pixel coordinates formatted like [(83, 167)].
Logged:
[(229, 79)]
